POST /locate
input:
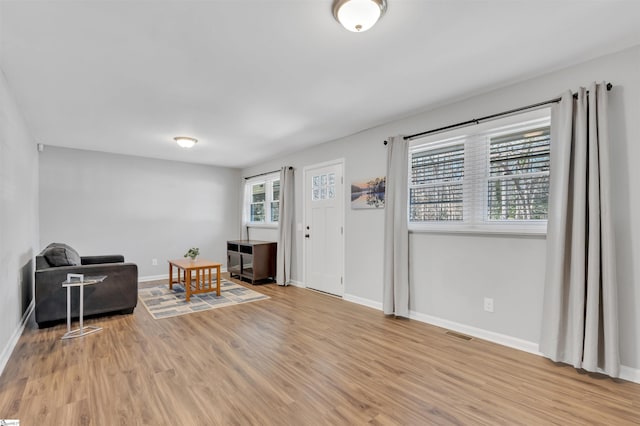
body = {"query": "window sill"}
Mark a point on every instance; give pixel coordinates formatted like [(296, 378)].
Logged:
[(484, 229), (262, 225)]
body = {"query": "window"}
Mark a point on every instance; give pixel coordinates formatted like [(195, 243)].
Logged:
[(258, 197), (323, 187), (275, 200), (492, 177), (263, 204), (518, 182), (437, 179)]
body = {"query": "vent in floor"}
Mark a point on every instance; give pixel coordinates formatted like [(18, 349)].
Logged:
[(458, 335)]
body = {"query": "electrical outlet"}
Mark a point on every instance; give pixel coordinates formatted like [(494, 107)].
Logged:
[(154, 262), (488, 304)]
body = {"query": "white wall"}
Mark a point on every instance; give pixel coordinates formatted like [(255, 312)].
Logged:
[(18, 219), (451, 273), (263, 233), (142, 208)]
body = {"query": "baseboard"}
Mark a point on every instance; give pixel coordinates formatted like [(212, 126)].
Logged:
[(491, 336), (13, 341), (297, 284), (626, 373), (630, 374), (153, 278), (362, 301), (164, 276)]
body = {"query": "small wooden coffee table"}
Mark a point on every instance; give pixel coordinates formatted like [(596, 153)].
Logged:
[(200, 284)]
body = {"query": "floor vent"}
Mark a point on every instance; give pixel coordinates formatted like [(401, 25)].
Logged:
[(458, 335)]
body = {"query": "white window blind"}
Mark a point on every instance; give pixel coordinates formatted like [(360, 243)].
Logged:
[(518, 182), (437, 178), (490, 177)]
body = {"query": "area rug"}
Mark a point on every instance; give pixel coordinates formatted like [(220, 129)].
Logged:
[(161, 302)]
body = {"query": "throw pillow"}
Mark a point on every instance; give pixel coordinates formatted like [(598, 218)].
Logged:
[(62, 256)]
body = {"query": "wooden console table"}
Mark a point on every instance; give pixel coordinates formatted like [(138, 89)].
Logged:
[(252, 260), (200, 284)]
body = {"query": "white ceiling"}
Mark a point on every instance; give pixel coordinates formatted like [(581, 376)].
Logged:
[(254, 79)]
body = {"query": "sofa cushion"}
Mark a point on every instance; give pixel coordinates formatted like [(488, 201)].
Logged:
[(61, 256)]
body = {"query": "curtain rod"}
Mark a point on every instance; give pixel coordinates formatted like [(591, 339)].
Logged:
[(489, 117), (265, 173)]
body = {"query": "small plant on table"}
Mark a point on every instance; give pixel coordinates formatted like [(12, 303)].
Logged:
[(192, 253)]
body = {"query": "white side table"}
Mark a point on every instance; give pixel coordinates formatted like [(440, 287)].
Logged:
[(78, 280)]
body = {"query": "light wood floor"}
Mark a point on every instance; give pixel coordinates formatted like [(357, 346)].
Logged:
[(299, 358)]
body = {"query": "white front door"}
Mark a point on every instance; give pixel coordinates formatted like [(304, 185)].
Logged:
[(324, 227)]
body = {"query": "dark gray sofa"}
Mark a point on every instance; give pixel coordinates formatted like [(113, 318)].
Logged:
[(118, 293)]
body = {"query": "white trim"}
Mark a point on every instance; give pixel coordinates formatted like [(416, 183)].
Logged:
[(13, 341), (626, 373), (146, 278), (630, 374), (486, 229), (502, 339), (297, 284), (362, 301), (263, 225), (491, 336), (153, 278)]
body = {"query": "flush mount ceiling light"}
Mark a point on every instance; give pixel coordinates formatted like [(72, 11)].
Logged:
[(185, 142), (358, 15)]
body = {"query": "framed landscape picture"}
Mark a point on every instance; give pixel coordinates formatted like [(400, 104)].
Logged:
[(368, 194)]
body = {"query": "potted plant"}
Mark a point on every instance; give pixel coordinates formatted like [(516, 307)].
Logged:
[(192, 253)]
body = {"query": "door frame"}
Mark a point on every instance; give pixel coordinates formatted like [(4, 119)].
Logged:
[(306, 192)]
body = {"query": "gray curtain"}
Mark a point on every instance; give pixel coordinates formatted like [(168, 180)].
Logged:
[(285, 226), (396, 234), (246, 196), (580, 312)]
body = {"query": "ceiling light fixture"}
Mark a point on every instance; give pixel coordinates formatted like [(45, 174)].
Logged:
[(185, 142), (358, 15)]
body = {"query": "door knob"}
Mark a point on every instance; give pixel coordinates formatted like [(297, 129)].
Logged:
[(306, 235)]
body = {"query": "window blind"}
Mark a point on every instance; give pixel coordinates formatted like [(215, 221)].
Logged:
[(518, 182), (437, 179), (496, 175)]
